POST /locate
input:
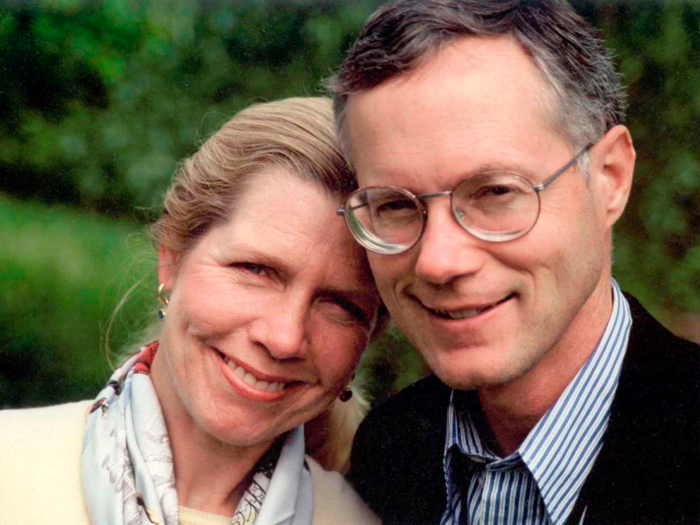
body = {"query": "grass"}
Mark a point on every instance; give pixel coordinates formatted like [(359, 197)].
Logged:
[(61, 273)]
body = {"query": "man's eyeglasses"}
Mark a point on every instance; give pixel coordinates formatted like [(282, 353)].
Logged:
[(495, 207)]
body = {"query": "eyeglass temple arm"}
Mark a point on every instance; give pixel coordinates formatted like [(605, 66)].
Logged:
[(549, 180), (341, 209)]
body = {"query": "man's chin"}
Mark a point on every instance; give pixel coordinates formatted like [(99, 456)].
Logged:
[(470, 377)]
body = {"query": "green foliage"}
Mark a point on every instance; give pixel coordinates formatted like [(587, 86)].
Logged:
[(658, 49), (100, 100), (61, 273), (389, 365)]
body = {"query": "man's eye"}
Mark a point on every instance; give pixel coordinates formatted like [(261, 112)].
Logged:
[(394, 207), (492, 190)]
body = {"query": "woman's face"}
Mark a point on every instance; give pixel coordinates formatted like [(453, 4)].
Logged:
[(268, 316)]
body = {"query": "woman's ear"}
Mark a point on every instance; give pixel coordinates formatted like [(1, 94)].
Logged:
[(167, 267), (613, 170)]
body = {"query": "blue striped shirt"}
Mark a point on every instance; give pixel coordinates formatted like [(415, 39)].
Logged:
[(539, 482)]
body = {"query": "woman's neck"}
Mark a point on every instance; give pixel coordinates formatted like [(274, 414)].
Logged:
[(210, 476)]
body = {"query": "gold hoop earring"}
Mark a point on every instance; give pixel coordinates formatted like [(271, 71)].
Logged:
[(164, 301)]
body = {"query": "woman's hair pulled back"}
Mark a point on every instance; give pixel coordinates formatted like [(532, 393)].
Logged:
[(296, 134)]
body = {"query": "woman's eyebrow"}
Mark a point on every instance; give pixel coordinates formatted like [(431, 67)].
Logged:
[(359, 299), (240, 250)]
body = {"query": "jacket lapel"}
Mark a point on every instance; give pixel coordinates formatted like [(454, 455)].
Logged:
[(652, 430)]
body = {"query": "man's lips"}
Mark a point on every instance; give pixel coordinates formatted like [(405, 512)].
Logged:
[(255, 379), (466, 312)]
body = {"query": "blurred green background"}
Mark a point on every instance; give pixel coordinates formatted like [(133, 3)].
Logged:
[(100, 99)]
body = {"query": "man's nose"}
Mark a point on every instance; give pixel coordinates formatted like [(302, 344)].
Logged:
[(446, 249)]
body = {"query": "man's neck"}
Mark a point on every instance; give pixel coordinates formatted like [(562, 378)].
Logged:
[(512, 410)]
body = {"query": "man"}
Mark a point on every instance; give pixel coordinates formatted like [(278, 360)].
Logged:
[(492, 166)]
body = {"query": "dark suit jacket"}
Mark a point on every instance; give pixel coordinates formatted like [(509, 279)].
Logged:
[(648, 471)]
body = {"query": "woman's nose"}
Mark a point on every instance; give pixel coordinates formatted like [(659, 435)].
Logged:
[(281, 328)]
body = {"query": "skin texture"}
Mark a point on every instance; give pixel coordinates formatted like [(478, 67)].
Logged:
[(282, 291), (477, 105)]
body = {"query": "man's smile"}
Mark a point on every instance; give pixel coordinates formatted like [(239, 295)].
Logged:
[(465, 312)]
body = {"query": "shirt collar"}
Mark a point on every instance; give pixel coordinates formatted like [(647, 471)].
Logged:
[(560, 450)]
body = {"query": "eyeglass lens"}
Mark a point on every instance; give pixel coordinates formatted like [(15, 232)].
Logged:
[(493, 207)]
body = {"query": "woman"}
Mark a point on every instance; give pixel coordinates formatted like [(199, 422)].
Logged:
[(266, 307)]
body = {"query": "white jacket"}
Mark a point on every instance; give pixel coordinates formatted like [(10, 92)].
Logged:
[(40, 477)]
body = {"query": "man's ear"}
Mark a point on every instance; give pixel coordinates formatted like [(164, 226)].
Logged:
[(167, 267), (612, 168)]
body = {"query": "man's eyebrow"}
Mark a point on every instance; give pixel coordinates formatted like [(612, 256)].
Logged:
[(495, 167)]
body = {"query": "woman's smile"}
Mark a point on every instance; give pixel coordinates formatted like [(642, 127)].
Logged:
[(278, 306), (271, 387)]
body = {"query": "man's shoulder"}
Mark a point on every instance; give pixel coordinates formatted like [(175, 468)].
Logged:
[(397, 454), (414, 417), (651, 455), (658, 357), (658, 393), (423, 398), (659, 386)]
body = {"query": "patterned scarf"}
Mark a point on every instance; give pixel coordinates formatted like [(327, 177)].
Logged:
[(127, 463)]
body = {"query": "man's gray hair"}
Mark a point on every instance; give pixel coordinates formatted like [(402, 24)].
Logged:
[(588, 96)]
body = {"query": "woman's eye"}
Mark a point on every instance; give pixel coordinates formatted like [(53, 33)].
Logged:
[(351, 309), (256, 269)]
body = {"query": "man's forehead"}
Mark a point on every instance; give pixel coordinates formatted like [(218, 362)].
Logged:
[(463, 56), (476, 93)]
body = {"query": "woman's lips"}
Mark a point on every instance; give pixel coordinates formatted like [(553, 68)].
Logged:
[(266, 384), (253, 381)]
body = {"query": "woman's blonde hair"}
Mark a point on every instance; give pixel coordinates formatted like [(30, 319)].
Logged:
[(329, 435), (297, 135)]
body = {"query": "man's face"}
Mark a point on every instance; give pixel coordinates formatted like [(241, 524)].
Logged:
[(483, 314)]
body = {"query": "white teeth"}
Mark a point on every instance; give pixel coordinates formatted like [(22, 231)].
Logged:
[(251, 380), (469, 312), (461, 314), (464, 314)]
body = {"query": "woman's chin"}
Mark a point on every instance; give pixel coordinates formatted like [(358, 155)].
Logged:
[(245, 432)]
